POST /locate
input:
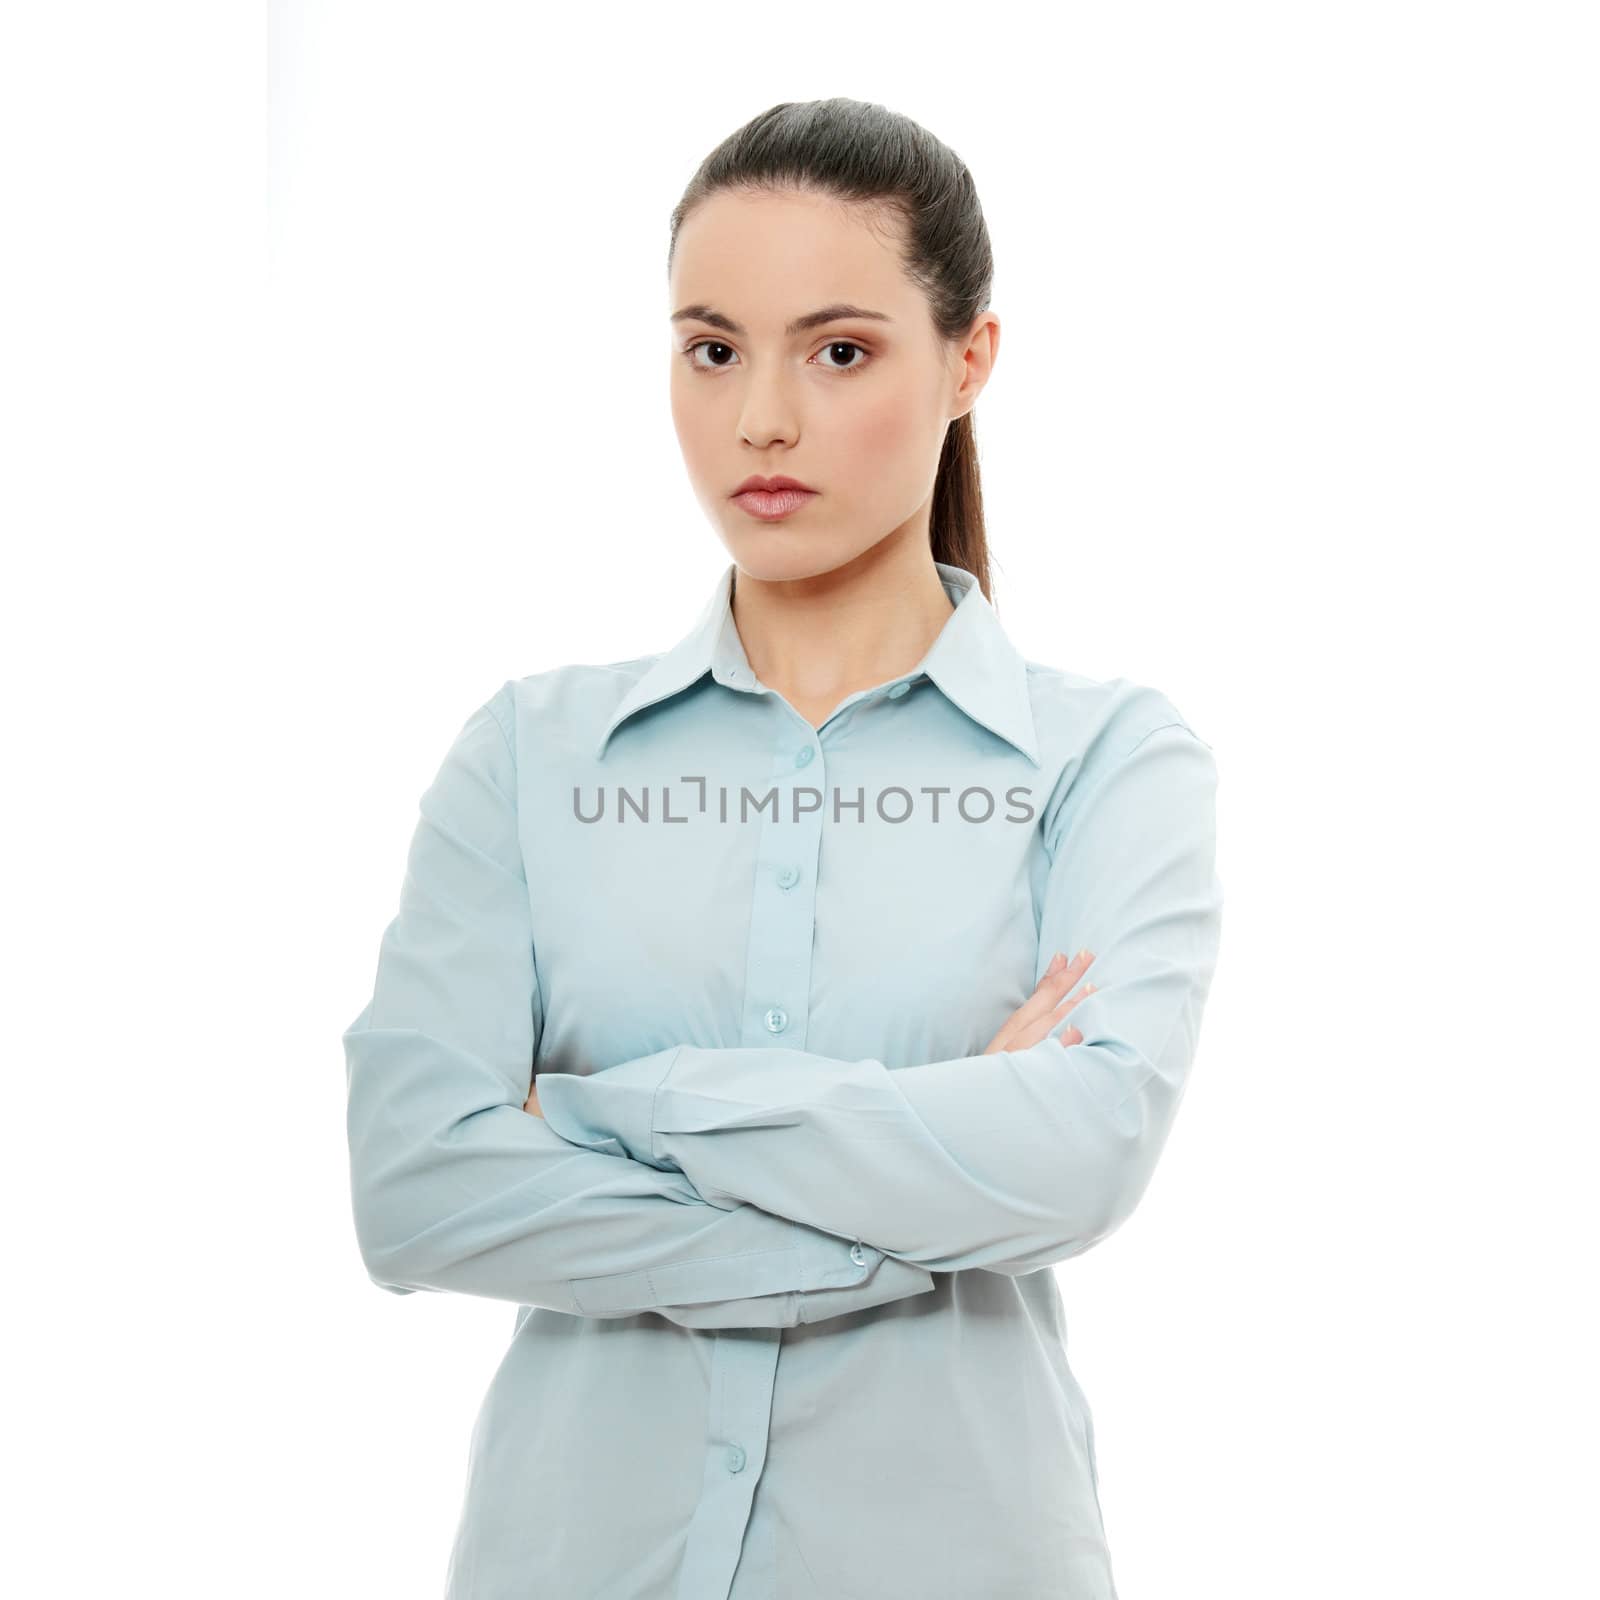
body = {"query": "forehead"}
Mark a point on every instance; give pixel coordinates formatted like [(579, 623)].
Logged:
[(763, 258)]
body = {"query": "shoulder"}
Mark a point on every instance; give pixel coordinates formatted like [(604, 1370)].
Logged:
[(1100, 736), (563, 707), (1095, 718)]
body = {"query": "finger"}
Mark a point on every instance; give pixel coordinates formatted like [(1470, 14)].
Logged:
[(1072, 1000), (1033, 1032), (1048, 991), (1042, 1029), (1046, 995)]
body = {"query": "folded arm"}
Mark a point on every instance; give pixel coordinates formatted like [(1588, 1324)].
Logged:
[(455, 1187), (1012, 1161)]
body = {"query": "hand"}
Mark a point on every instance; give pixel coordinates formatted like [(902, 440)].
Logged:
[(531, 1104), (1045, 1007)]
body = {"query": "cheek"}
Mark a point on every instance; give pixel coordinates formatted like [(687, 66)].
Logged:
[(694, 428), (888, 451), (887, 430)]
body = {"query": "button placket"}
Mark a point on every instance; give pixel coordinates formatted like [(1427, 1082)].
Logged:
[(782, 913), (744, 1365)]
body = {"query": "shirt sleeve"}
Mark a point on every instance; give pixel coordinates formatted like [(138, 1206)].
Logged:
[(456, 1188), (1010, 1161)]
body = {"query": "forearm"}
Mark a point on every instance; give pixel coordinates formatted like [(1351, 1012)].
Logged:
[(1009, 1162), (454, 1190)]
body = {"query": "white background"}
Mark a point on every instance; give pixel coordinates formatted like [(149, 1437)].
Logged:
[(320, 425)]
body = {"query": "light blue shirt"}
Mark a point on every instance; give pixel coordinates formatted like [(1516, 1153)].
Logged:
[(781, 1242)]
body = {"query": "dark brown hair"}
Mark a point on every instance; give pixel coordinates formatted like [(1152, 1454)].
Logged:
[(857, 150)]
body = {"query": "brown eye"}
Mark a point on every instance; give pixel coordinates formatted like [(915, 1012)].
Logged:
[(845, 344), (705, 344)]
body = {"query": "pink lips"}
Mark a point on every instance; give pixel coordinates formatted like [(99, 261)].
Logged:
[(771, 506)]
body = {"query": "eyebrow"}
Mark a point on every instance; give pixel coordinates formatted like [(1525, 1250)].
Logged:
[(812, 319)]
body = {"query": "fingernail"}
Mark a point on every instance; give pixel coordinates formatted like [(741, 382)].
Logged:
[(1057, 961)]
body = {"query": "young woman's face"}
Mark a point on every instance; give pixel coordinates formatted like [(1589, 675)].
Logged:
[(855, 407)]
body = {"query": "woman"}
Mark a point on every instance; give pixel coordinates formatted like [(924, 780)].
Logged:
[(794, 921)]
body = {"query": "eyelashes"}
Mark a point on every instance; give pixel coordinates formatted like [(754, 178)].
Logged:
[(833, 344)]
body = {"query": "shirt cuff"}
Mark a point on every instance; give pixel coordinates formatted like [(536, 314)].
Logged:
[(611, 1110)]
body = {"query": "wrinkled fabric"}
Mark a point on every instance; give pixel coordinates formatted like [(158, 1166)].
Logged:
[(781, 1243)]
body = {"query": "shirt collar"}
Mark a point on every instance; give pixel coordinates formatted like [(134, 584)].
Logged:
[(973, 662)]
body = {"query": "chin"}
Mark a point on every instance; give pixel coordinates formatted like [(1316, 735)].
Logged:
[(776, 554)]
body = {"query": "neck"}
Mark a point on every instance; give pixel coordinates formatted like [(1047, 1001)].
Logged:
[(820, 639)]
